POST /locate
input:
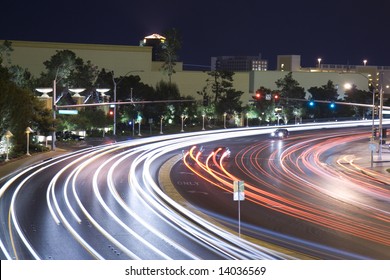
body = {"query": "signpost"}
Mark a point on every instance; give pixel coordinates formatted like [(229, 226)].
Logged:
[(239, 195)]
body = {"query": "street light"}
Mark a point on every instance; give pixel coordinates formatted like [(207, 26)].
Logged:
[(365, 62), (115, 84), (224, 119), (45, 92), (76, 90), (349, 86), (8, 134), (183, 117), (203, 116), (161, 124), (139, 120), (28, 131), (319, 62)]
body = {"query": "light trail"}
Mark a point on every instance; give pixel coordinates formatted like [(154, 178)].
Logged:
[(289, 195), (70, 208)]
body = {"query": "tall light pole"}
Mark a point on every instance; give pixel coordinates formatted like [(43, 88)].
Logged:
[(380, 115), (224, 119), (53, 135), (115, 84), (203, 116), (319, 62)]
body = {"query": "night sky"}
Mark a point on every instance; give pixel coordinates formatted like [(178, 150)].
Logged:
[(340, 32)]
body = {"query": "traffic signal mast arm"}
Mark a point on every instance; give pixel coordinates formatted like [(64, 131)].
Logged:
[(122, 103), (334, 102)]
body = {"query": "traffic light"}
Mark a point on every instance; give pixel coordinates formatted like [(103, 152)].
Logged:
[(311, 103), (332, 105), (257, 96), (276, 96), (111, 112)]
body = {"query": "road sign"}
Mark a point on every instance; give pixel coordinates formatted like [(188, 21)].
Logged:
[(68, 112), (372, 147), (239, 194)]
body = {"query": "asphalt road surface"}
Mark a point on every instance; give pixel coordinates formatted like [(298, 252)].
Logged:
[(306, 192)]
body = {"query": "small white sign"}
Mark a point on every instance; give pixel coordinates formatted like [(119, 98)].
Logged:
[(239, 191)]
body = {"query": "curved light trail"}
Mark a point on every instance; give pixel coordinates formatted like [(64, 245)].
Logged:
[(295, 179), (106, 202)]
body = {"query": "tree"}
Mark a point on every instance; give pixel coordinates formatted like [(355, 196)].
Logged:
[(290, 89), (220, 93), (5, 52), (169, 49), (354, 95), (69, 71), (266, 106), (326, 92)]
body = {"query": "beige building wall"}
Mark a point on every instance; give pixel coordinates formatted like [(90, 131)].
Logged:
[(124, 59), (120, 59), (307, 80), (190, 82)]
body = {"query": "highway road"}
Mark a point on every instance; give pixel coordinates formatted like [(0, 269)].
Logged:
[(107, 202), (306, 192)]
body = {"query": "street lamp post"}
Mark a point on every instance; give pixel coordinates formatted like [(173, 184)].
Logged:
[(183, 117), (102, 91), (380, 119), (319, 63), (161, 124), (224, 119), (115, 84), (8, 134), (139, 119), (203, 116), (53, 135), (28, 131), (45, 95)]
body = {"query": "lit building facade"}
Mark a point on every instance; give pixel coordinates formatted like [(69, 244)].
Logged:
[(239, 63)]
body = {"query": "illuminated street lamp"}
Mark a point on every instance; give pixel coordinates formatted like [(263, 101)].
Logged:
[(102, 91), (203, 116), (139, 120), (115, 85), (44, 92), (319, 62), (183, 117), (224, 119), (161, 124), (76, 90), (347, 86), (28, 131), (365, 62), (8, 134)]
